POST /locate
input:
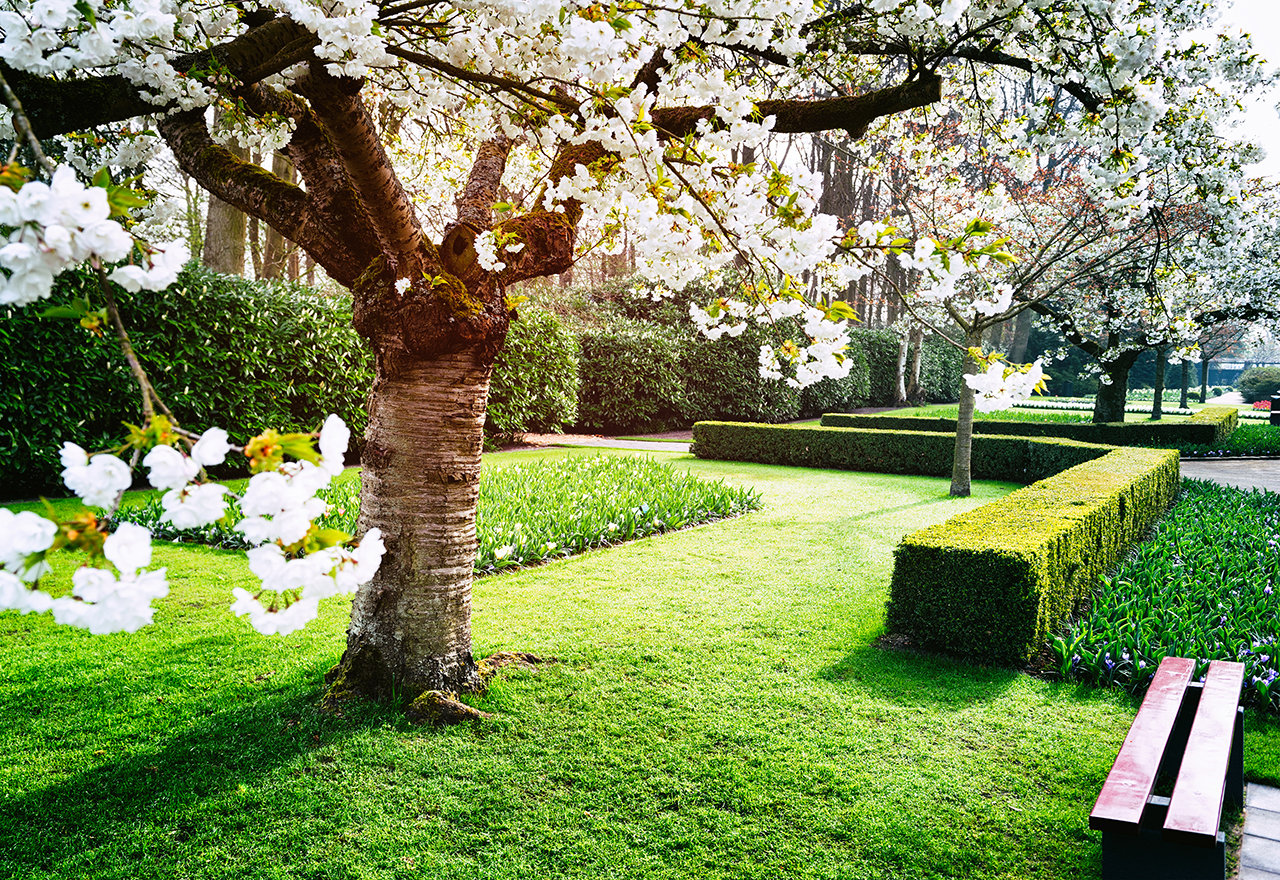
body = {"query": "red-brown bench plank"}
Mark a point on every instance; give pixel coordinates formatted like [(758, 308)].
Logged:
[(1195, 809), (1132, 778)]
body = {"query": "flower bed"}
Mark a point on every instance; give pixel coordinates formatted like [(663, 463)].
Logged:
[(538, 511), (1247, 440), (1205, 586)]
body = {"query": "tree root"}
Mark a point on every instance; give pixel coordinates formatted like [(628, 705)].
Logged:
[(440, 708), (489, 666)]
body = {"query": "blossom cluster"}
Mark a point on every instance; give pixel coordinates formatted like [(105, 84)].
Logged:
[(297, 563), (59, 224)]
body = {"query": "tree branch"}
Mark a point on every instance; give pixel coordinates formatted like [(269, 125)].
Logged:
[(287, 208), (337, 104), (851, 113), (62, 106)]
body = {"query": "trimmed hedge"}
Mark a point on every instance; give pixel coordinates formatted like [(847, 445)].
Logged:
[(1015, 459), (991, 583), (1211, 425)]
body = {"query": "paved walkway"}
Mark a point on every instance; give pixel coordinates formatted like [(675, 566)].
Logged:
[(1243, 473), (1260, 846), (605, 442)]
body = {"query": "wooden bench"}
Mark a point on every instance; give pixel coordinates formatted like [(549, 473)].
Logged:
[(1192, 731)]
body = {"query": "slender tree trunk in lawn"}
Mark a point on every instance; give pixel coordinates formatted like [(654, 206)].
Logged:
[(1186, 381), (900, 390), (961, 464), (915, 394), (1157, 398), (1204, 380)]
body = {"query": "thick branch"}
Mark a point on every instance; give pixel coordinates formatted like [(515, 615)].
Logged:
[(354, 137), (62, 106), (851, 113), (258, 193)]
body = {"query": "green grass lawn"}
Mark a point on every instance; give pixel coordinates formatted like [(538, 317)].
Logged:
[(717, 708)]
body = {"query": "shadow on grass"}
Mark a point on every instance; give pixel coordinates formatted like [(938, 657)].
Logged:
[(912, 678), (216, 754)]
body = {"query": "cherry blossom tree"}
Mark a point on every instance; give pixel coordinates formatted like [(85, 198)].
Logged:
[(630, 116)]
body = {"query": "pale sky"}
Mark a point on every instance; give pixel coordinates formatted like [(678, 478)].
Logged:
[(1261, 18)]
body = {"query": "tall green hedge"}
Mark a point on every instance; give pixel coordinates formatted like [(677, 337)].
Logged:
[(1211, 425), (991, 583), (941, 367), (226, 351), (722, 380), (632, 379), (535, 377), (220, 350)]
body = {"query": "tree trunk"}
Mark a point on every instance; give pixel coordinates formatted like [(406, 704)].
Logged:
[(900, 390), (1021, 336), (915, 394), (1204, 380), (1186, 382), (225, 228), (275, 251), (961, 463), (411, 626), (1157, 398), (1108, 406)]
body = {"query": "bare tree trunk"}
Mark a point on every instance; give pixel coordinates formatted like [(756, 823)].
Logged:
[(1108, 406), (900, 390), (411, 627), (915, 394), (1021, 336), (275, 252), (225, 229), (961, 464), (1186, 382), (1157, 398), (1204, 380)]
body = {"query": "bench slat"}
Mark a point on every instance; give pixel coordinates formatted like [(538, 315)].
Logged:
[(1132, 778), (1195, 809)]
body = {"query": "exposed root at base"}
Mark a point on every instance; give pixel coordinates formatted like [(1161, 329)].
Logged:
[(489, 666), (439, 708)]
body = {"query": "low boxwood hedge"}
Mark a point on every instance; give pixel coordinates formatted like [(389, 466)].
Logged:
[(929, 453), (1210, 425), (990, 584)]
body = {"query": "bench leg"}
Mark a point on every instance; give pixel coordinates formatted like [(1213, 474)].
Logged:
[(1147, 856), (1234, 794)]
